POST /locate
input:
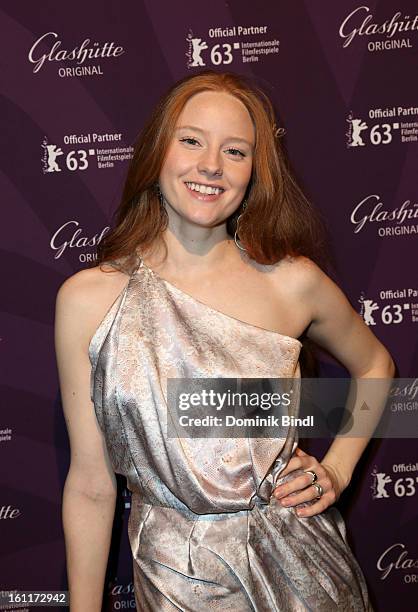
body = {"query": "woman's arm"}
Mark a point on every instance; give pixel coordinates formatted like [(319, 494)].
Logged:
[(90, 488), (337, 327)]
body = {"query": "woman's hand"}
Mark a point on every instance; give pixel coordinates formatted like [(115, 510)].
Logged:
[(300, 489)]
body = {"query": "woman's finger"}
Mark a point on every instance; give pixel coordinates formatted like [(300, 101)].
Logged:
[(315, 508), (299, 460), (300, 488), (297, 484)]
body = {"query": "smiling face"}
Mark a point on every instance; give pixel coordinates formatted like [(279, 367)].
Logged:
[(209, 161)]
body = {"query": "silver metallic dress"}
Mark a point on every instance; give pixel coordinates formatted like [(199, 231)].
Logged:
[(204, 530)]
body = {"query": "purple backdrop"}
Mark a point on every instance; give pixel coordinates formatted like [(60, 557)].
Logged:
[(78, 81)]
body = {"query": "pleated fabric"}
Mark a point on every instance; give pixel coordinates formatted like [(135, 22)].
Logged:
[(204, 529)]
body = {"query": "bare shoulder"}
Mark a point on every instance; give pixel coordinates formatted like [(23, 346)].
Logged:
[(319, 295), (333, 317), (84, 298), (298, 274)]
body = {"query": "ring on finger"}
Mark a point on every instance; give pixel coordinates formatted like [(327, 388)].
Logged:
[(313, 474), (319, 490)]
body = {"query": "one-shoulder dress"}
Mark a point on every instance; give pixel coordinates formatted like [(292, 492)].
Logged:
[(204, 529)]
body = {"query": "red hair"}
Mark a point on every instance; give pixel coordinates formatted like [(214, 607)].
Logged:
[(278, 219)]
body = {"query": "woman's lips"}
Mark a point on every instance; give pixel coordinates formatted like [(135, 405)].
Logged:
[(207, 197)]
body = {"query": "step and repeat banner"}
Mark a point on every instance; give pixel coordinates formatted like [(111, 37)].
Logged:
[(78, 81)]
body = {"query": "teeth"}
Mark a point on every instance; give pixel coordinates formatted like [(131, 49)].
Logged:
[(204, 189)]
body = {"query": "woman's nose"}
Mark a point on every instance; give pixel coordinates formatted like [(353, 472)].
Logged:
[(210, 162)]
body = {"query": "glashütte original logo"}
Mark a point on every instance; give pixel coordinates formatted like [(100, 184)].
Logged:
[(81, 55), (361, 23), (66, 237), (396, 557), (371, 210)]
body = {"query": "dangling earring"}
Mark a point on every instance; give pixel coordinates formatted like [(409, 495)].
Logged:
[(244, 205), (159, 194), (161, 199)]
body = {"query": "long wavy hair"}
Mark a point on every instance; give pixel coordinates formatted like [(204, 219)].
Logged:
[(278, 219)]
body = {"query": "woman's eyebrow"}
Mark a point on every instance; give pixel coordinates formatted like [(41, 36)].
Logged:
[(196, 129)]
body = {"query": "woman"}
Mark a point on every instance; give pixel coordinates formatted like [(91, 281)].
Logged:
[(208, 272)]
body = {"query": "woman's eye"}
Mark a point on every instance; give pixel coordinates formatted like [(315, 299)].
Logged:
[(240, 153), (188, 140)]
